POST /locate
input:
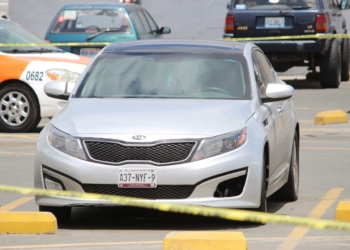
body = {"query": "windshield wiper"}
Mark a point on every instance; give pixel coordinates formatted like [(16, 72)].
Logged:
[(14, 51), (99, 33), (45, 50), (31, 50), (300, 7)]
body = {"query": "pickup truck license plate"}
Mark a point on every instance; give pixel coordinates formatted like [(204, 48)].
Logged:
[(137, 178), (274, 22)]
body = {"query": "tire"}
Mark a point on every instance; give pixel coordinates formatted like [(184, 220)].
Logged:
[(22, 113), (345, 60), (62, 214), (263, 201), (330, 66), (290, 190)]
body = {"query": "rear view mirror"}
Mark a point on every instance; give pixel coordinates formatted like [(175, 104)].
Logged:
[(165, 30), (278, 92), (57, 90), (228, 5)]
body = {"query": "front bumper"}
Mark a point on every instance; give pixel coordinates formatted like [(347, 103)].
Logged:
[(204, 175)]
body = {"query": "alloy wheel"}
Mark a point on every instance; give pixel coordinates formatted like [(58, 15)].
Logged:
[(14, 108)]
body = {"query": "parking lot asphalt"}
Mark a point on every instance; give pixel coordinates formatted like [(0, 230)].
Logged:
[(324, 159)]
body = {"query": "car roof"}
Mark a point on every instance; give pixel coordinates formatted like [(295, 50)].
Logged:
[(128, 6), (177, 45)]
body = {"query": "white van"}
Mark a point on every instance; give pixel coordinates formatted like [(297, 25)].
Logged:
[(5, 9)]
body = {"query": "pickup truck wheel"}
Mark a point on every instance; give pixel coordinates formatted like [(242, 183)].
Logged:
[(19, 108), (330, 66), (345, 60)]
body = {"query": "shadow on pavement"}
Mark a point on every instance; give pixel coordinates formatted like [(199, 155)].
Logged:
[(131, 218), (304, 84), (37, 130)]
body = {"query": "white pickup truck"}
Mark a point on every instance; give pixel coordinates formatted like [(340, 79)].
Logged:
[(5, 9)]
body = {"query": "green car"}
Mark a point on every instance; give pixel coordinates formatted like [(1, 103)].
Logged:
[(81, 23)]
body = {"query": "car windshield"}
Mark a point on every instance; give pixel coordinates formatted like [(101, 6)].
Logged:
[(92, 21), (167, 75), (274, 4), (11, 33)]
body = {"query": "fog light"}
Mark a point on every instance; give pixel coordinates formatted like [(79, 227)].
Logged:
[(50, 184)]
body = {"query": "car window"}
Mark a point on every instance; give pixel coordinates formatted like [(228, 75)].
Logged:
[(91, 21), (13, 33), (268, 74), (167, 75), (144, 21), (345, 4), (151, 22), (258, 76), (272, 4), (138, 24)]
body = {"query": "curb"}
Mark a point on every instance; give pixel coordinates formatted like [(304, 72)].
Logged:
[(342, 212), (204, 241), (27, 223), (331, 117)]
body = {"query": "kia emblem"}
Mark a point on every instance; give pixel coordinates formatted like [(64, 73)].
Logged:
[(139, 137)]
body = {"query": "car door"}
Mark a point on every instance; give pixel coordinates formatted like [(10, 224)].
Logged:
[(345, 9), (277, 126), (4, 9), (336, 13)]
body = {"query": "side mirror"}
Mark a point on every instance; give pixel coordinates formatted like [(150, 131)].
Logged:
[(57, 90), (228, 6), (165, 30), (277, 92)]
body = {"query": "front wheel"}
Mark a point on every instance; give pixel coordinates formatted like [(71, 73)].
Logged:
[(290, 190), (263, 202), (19, 108)]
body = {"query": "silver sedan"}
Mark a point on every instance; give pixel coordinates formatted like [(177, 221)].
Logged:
[(189, 122)]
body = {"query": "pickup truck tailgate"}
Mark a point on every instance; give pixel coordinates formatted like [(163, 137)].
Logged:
[(274, 23)]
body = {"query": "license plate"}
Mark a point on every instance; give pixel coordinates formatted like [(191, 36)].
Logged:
[(89, 52), (274, 22), (137, 178)]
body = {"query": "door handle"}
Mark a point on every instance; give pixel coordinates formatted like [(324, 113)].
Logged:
[(280, 109)]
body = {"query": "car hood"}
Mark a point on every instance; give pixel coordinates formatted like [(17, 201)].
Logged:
[(45, 57), (192, 118)]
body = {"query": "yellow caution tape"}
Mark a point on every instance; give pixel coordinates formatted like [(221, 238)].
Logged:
[(267, 38), (227, 214)]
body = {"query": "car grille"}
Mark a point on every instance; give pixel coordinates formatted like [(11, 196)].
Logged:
[(160, 153), (160, 192)]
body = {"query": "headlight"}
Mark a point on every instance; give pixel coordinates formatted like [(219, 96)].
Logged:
[(221, 144), (62, 75), (66, 143)]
